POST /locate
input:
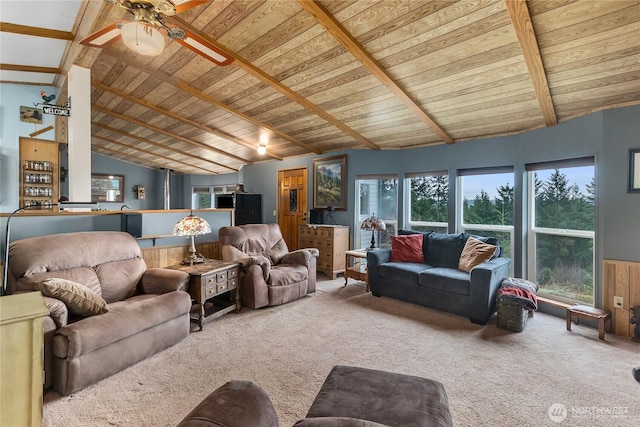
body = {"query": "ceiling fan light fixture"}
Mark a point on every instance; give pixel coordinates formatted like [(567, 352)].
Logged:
[(142, 38)]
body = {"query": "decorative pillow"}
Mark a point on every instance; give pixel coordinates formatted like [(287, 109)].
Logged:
[(425, 238), (475, 253), (79, 299), (407, 248)]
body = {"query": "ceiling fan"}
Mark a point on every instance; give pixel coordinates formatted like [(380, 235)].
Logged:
[(142, 35)]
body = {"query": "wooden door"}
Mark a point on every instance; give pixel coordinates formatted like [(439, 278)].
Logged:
[(292, 203)]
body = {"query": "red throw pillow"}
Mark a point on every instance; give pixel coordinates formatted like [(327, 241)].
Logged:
[(407, 248)]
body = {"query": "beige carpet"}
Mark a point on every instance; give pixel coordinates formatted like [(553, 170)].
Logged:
[(493, 377)]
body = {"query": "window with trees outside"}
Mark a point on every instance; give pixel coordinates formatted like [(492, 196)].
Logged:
[(562, 229), (428, 202), (204, 197), (486, 204), (376, 195)]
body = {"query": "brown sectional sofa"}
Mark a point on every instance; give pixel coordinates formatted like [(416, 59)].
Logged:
[(148, 309)]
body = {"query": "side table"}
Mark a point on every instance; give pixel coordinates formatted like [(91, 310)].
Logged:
[(358, 270), (211, 279)]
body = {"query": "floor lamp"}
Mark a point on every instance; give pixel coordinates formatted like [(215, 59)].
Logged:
[(3, 289)]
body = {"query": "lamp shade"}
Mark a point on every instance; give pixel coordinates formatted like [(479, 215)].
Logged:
[(142, 38), (373, 224), (191, 226)]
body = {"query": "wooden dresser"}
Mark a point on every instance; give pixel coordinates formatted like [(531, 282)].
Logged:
[(331, 240)]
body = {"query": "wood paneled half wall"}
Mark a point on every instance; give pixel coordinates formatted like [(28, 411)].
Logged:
[(165, 256), (621, 278)]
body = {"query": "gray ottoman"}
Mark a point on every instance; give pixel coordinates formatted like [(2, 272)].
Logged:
[(381, 397)]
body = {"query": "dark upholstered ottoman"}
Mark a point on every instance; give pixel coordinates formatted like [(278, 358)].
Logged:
[(382, 397)]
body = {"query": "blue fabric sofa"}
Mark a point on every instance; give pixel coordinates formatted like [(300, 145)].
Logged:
[(437, 282)]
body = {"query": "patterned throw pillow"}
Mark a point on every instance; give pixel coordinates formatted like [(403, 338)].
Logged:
[(79, 299)]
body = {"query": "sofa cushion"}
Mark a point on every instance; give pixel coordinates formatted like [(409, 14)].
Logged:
[(407, 248), (443, 250), (236, 403), (336, 422), (96, 332), (287, 274), (407, 272), (445, 279), (384, 397), (78, 298), (475, 253)]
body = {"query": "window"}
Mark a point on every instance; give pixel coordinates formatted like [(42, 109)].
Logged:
[(486, 204), (204, 197), (428, 202), (561, 229), (376, 195)]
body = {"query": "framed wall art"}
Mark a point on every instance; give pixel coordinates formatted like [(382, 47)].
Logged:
[(330, 183), (634, 170), (107, 188)]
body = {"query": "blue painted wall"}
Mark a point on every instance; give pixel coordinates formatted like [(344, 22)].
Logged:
[(607, 135)]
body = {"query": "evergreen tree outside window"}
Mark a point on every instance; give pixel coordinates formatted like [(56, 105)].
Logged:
[(562, 229), (428, 202), (486, 201)]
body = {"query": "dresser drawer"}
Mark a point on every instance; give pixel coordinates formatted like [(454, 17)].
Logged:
[(210, 290)]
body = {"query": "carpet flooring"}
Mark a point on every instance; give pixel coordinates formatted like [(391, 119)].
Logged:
[(543, 376)]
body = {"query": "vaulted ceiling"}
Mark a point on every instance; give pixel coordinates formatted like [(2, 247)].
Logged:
[(312, 77)]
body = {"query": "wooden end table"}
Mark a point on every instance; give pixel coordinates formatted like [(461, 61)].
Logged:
[(358, 270), (209, 280)]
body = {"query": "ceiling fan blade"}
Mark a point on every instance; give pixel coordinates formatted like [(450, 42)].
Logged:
[(103, 37), (182, 5), (205, 49)]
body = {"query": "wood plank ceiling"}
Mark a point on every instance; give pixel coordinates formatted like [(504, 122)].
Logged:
[(320, 76)]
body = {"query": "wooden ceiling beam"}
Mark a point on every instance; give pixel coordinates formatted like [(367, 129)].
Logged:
[(180, 84), (275, 84), (26, 30), (75, 53), (100, 109), (336, 29), (148, 141), (30, 69), (216, 132), (521, 21), (172, 161)]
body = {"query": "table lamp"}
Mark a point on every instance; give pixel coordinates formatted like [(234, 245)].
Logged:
[(373, 224), (192, 226)]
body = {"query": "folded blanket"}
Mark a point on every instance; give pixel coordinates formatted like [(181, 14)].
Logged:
[(521, 291), (526, 299)]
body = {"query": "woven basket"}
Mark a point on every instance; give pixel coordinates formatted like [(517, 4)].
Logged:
[(511, 315)]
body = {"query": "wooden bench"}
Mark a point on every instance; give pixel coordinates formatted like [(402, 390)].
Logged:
[(590, 313)]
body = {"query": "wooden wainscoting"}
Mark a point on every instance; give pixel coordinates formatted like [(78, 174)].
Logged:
[(621, 278), (165, 256)]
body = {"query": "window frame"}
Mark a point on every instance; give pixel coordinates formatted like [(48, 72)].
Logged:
[(408, 222), (533, 231)]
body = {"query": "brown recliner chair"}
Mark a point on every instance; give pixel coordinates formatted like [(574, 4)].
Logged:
[(270, 274)]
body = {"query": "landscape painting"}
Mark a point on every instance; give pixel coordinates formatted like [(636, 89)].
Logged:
[(30, 115), (330, 183)]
